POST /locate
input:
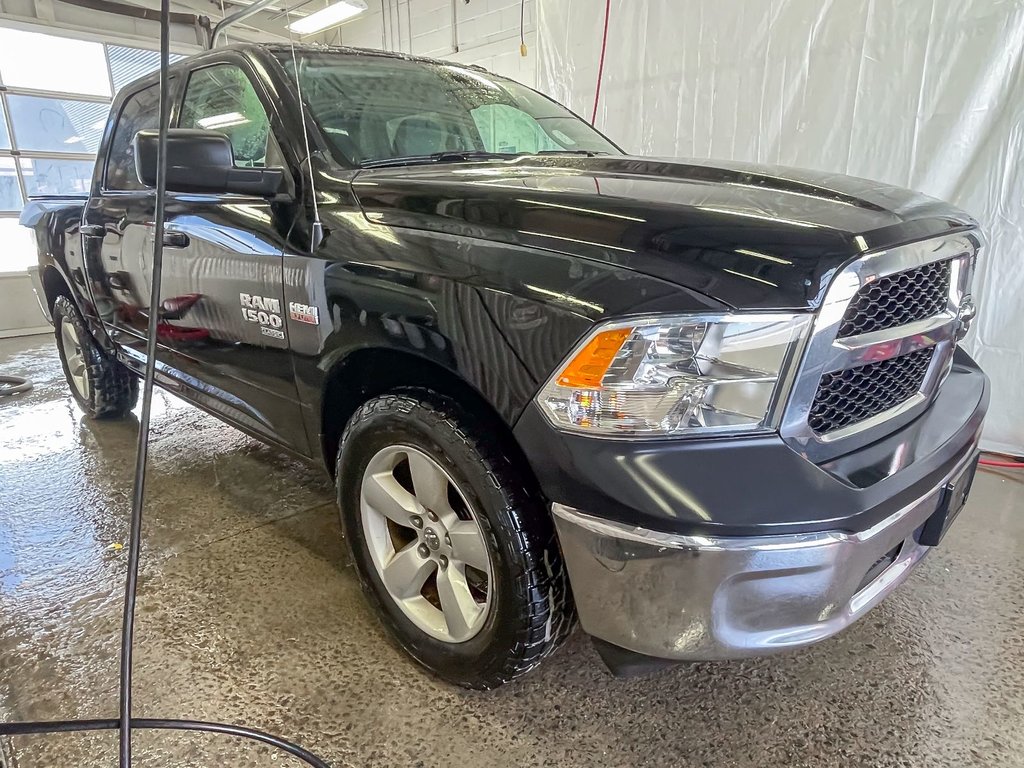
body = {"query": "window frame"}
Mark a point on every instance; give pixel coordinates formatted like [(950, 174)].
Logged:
[(107, 143), (259, 88)]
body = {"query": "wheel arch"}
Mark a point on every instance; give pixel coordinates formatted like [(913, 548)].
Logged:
[(369, 372), (54, 285)]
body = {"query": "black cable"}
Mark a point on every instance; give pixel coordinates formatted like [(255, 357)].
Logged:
[(125, 722), (142, 447), (144, 723)]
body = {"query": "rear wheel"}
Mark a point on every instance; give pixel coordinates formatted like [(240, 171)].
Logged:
[(101, 386), (458, 558)]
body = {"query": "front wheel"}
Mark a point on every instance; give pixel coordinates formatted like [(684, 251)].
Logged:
[(458, 558), (101, 386)]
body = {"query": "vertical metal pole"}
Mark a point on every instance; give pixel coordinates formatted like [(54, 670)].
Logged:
[(15, 155), (408, 18), (110, 72), (455, 26)]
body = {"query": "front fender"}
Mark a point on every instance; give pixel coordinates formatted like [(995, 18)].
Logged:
[(499, 316)]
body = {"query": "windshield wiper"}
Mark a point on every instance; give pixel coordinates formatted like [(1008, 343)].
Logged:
[(468, 155), (586, 152), (452, 156)]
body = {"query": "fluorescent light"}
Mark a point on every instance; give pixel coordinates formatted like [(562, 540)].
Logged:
[(332, 15), (222, 121), (73, 140)]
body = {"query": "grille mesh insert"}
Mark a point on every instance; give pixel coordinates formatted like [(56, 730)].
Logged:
[(898, 299), (847, 397)]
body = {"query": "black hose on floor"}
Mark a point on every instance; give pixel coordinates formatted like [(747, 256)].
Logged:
[(145, 723), (125, 723), (14, 385)]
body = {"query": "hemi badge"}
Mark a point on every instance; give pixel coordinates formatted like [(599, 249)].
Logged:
[(303, 313)]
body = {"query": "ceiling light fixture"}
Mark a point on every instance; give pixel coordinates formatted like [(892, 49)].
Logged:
[(332, 15), (222, 121)]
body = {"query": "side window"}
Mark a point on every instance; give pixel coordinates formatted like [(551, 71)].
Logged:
[(221, 98), (141, 111)]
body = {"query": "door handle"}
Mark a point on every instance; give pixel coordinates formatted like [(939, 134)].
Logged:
[(176, 240), (93, 230)]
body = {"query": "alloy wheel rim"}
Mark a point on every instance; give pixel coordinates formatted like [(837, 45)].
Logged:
[(74, 355), (426, 543)]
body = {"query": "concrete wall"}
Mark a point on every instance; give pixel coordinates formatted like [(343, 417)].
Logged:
[(19, 311), (483, 32)]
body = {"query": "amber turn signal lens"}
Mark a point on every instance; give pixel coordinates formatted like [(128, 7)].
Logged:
[(589, 366)]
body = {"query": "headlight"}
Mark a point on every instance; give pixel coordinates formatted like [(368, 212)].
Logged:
[(661, 376)]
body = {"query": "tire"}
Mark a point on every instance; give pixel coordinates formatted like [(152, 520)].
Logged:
[(528, 609), (101, 386)]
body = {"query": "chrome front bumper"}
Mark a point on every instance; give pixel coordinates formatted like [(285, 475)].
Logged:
[(699, 598)]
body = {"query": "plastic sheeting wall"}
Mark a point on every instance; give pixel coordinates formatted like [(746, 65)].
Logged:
[(923, 94)]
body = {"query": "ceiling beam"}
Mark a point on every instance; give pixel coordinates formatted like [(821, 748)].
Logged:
[(254, 29)]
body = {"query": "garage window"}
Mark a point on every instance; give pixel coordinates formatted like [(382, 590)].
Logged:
[(52, 118)]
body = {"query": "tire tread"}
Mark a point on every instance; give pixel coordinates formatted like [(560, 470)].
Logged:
[(114, 389), (548, 616)]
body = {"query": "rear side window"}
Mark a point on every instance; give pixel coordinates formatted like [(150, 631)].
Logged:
[(141, 111), (221, 98)]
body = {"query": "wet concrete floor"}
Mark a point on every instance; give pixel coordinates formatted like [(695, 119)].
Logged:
[(250, 613)]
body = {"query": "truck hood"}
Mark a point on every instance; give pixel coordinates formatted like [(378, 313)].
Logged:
[(748, 236)]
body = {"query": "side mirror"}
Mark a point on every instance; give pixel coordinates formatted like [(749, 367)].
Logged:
[(202, 162)]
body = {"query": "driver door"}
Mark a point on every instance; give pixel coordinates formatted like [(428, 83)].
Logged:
[(222, 312)]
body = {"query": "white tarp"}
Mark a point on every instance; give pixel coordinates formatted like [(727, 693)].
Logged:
[(926, 94)]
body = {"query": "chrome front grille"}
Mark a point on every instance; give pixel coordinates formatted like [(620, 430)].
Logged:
[(899, 299), (881, 345), (851, 396)]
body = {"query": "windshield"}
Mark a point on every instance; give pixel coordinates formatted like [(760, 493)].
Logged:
[(375, 109)]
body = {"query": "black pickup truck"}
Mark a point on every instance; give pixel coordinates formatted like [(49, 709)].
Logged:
[(713, 409)]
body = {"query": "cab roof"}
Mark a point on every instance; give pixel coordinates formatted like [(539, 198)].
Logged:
[(272, 49)]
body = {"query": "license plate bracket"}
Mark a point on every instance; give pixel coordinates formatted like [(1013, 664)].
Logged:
[(951, 502)]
